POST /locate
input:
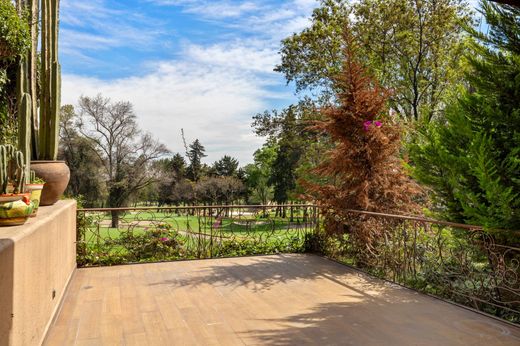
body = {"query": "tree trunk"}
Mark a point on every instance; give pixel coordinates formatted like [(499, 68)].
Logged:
[(115, 219)]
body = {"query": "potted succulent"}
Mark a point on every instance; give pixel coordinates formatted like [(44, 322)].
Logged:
[(15, 203), (45, 150), (34, 188)]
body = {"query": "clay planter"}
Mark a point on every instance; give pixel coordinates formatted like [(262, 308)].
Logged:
[(56, 175), (36, 193), (16, 212)]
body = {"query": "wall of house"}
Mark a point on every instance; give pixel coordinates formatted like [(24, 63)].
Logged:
[(37, 261)]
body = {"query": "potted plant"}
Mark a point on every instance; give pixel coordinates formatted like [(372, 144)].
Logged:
[(34, 188), (15, 203), (55, 173)]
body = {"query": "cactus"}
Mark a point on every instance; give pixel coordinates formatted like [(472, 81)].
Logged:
[(51, 81), (3, 170), (19, 178), (26, 84), (12, 169), (24, 112)]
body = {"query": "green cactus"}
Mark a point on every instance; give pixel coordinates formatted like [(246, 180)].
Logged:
[(26, 83), (3, 170), (19, 178), (51, 81), (12, 169), (24, 112)]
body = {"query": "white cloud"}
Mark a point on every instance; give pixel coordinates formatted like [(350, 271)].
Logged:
[(212, 102), (211, 90), (252, 56)]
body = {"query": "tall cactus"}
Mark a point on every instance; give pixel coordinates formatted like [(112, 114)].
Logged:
[(24, 112), (26, 85), (50, 81)]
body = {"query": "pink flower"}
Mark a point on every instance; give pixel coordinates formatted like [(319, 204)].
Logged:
[(164, 239), (378, 123), (366, 125)]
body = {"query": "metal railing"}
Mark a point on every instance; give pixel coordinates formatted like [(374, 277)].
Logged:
[(461, 263), (109, 236), (465, 264)]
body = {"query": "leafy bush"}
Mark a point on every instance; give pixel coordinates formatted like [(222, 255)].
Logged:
[(15, 36)]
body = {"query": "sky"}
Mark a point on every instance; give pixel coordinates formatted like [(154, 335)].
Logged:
[(205, 66)]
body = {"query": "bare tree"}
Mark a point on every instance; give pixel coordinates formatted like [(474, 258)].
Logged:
[(125, 151)]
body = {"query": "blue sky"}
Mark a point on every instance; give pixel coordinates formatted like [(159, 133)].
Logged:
[(202, 65)]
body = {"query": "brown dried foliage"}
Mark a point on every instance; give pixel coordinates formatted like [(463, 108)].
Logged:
[(364, 170)]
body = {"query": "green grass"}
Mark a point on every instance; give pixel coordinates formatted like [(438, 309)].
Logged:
[(138, 237)]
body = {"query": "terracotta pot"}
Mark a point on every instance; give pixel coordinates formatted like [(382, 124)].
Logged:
[(36, 194), (56, 175)]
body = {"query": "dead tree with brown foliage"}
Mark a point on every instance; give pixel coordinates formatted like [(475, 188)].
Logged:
[(363, 170)]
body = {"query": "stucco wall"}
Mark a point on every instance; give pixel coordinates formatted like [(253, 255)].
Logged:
[(36, 263)]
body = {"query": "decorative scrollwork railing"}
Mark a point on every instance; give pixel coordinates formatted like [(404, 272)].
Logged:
[(462, 263), (132, 235)]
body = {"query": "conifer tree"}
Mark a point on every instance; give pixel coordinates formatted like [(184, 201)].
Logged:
[(364, 170), (195, 155), (472, 160)]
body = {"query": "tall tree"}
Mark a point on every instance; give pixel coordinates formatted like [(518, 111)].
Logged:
[(471, 161), (412, 46), (363, 170), (86, 174), (125, 152), (196, 152)]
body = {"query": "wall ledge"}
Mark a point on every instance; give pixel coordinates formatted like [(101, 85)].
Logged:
[(37, 260)]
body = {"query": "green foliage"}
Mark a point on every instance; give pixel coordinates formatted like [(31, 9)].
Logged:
[(471, 161), (15, 37), (257, 175), (288, 132), (159, 243), (226, 166), (412, 47)]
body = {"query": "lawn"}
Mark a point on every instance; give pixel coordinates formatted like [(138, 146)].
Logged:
[(145, 236)]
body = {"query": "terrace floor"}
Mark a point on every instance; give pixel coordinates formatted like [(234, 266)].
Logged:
[(268, 300)]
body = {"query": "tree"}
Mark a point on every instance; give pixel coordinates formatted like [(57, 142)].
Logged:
[(258, 173), (363, 170), (413, 47), (226, 166), (195, 154), (86, 175), (287, 131), (221, 190), (471, 160), (125, 152)]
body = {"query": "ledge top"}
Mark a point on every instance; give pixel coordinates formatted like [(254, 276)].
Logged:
[(11, 234)]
